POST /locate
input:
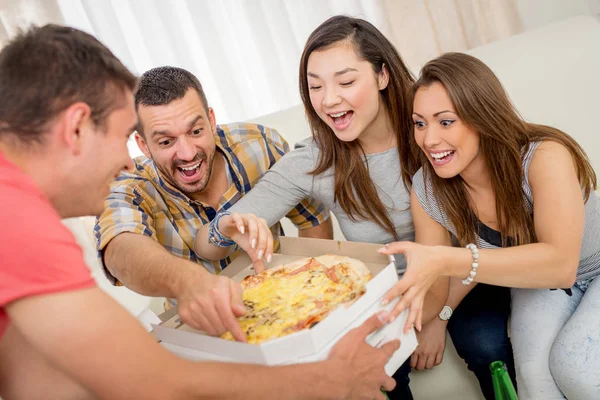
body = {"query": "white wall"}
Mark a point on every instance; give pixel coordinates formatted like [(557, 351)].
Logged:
[(537, 13)]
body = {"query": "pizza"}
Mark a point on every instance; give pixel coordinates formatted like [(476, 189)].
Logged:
[(298, 295)]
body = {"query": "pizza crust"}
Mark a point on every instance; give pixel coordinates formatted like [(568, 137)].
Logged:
[(328, 260)]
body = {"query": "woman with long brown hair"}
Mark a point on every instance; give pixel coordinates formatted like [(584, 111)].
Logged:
[(519, 198), (357, 95)]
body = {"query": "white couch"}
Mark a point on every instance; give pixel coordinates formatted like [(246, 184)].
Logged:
[(552, 76)]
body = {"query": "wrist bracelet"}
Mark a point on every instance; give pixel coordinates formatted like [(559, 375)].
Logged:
[(474, 265), (215, 236)]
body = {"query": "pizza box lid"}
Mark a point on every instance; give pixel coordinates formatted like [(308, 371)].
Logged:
[(309, 342)]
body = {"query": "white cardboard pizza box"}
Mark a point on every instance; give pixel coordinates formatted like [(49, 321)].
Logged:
[(309, 344)]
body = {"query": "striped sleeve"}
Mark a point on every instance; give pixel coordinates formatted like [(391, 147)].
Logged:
[(277, 146), (125, 210), (424, 192), (421, 191)]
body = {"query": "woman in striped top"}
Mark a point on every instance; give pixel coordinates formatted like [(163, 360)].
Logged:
[(483, 167), (357, 93)]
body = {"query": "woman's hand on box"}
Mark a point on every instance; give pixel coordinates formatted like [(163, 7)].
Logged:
[(252, 234), (423, 268)]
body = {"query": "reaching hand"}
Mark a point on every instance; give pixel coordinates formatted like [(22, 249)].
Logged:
[(211, 303), (252, 234), (432, 343), (423, 268), (361, 365)]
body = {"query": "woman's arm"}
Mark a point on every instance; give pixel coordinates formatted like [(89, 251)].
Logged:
[(559, 219), (551, 263), (285, 185), (430, 232)]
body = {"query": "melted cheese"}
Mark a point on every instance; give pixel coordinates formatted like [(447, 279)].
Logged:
[(284, 303)]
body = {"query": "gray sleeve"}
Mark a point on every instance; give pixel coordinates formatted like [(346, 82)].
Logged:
[(282, 187)]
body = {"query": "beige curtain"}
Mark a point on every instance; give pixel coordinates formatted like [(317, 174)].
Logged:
[(17, 14), (246, 52), (424, 29)]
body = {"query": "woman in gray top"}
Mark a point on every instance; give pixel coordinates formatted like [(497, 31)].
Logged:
[(520, 197), (356, 93)]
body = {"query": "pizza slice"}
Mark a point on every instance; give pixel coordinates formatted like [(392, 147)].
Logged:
[(299, 295)]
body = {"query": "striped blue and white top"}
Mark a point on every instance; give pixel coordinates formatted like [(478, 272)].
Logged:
[(487, 238)]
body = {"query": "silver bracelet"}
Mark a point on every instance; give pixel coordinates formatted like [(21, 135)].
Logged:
[(475, 252), (215, 236)]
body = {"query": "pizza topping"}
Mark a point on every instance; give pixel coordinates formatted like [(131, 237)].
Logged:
[(331, 274), (253, 280), (319, 303), (311, 264), (299, 326), (308, 322)]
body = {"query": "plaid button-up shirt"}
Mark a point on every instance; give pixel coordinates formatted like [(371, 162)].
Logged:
[(143, 202)]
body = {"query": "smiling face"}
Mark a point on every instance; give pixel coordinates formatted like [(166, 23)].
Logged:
[(179, 137), (345, 91), (451, 146), (102, 155)]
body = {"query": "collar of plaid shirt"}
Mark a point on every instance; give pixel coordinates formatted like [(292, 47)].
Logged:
[(231, 195)]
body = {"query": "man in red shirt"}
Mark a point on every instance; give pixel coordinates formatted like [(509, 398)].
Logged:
[(66, 112)]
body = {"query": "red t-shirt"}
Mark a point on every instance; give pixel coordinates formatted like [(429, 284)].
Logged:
[(38, 254)]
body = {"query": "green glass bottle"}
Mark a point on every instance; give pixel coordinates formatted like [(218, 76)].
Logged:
[(503, 386)]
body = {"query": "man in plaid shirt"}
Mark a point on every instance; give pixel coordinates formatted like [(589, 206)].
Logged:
[(192, 169)]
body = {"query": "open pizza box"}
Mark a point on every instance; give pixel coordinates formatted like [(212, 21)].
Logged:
[(310, 344)]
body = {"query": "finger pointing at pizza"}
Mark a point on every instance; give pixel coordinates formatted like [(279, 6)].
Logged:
[(212, 305)]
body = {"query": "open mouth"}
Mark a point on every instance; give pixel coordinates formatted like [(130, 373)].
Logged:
[(442, 158), (342, 119), (190, 173)]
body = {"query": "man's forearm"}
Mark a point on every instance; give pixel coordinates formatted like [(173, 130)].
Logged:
[(238, 381), (145, 266), (105, 358)]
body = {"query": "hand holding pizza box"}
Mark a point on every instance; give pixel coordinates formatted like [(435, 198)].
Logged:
[(314, 343)]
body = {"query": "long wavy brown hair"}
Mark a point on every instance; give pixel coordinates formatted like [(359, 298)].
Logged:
[(482, 103), (354, 190)]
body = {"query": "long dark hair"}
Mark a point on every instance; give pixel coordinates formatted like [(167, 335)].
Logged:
[(354, 190), (481, 102)]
